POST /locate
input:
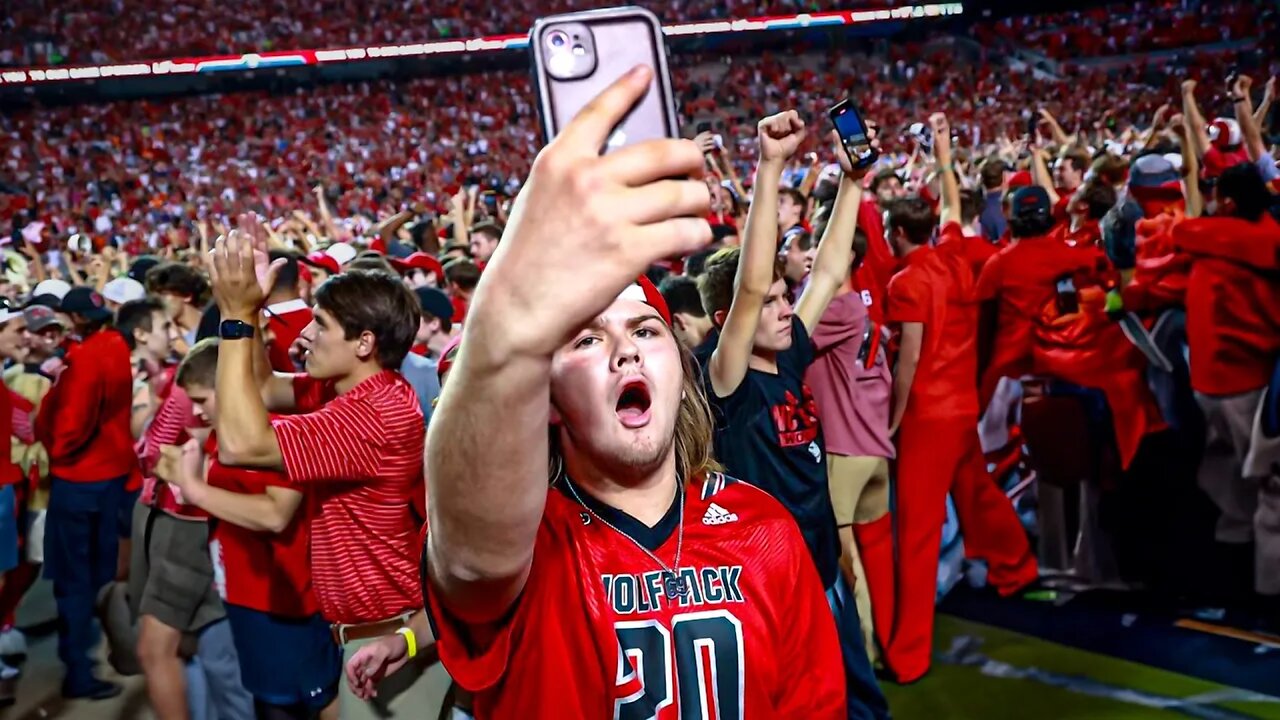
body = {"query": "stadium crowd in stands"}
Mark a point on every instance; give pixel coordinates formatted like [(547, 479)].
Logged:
[(227, 322)]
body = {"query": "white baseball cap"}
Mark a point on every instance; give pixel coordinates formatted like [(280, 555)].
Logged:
[(123, 290), (53, 286), (342, 252)]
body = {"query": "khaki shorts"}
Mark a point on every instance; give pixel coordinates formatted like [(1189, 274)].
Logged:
[(170, 572), (859, 488)]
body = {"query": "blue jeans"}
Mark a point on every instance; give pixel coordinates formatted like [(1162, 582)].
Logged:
[(866, 701), (81, 543)]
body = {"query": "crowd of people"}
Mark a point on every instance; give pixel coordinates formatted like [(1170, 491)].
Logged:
[(50, 32), (661, 420)]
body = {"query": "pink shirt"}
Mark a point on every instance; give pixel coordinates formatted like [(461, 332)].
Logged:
[(853, 401)]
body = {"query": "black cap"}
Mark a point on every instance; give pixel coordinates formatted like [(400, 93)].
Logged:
[(138, 270), (1029, 202), (436, 304), (85, 302), (49, 300)]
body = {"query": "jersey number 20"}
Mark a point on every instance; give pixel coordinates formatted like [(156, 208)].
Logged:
[(706, 649)]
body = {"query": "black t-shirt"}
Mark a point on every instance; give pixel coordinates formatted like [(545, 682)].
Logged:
[(767, 433)]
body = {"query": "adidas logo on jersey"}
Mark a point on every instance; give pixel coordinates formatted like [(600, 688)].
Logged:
[(717, 515)]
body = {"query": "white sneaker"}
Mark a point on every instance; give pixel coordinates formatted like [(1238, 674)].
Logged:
[(12, 643), (7, 672)]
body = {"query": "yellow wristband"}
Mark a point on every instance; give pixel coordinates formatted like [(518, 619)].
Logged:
[(410, 641)]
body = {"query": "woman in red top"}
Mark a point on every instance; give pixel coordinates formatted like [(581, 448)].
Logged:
[(288, 659)]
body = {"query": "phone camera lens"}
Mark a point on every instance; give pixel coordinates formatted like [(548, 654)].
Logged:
[(557, 39)]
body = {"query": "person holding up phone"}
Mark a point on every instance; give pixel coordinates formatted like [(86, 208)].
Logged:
[(754, 361), (592, 599)]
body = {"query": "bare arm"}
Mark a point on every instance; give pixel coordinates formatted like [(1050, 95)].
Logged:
[(904, 376), (386, 230), (1040, 170), (1198, 135), (1060, 136), (1253, 143), (946, 169), (187, 469), (583, 228), (835, 250), (1191, 172), (326, 219), (779, 136), (1264, 107)]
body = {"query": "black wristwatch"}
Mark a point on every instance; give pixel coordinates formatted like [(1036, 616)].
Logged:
[(235, 330)]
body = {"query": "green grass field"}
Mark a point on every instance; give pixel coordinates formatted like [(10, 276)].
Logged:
[(1027, 678)]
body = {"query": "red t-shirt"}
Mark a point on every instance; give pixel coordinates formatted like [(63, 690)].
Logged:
[(1217, 160), (872, 277), (936, 289), (359, 455), (973, 249), (1022, 278), (593, 635), (270, 572)]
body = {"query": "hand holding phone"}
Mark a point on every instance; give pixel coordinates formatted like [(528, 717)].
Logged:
[(853, 134)]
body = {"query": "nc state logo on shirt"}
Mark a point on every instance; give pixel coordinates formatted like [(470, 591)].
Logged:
[(796, 420)]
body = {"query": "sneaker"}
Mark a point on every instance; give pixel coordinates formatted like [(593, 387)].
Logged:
[(13, 644), (95, 690), (8, 672)]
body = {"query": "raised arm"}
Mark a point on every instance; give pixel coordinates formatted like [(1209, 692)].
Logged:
[(780, 135), (583, 228), (835, 250), (946, 169), (1253, 143), (1199, 135), (1190, 170), (1040, 171), (1264, 107)]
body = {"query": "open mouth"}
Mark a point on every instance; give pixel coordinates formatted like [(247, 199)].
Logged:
[(633, 404)]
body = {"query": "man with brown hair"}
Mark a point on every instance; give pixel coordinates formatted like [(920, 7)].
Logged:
[(184, 292), (484, 241), (354, 443), (767, 425)]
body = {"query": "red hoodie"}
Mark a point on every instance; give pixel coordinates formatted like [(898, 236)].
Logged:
[(84, 418), (1233, 302)]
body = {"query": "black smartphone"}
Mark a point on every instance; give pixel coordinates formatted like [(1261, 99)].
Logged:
[(853, 134), (703, 127), (1068, 301), (577, 55), (1033, 125)]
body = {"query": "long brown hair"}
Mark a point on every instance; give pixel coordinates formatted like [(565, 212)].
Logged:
[(695, 454)]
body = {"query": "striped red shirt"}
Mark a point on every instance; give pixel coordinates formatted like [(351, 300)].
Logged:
[(361, 453), (168, 427)]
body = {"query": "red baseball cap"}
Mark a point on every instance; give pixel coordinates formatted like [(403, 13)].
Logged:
[(421, 261), (323, 261), (643, 290)]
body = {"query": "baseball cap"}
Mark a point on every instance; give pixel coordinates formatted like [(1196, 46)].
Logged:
[(436, 304), (123, 290), (54, 287), (1020, 179), (420, 261), (1030, 201), (1153, 170), (643, 290), (40, 317), (322, 261), (86, 302), (138, 269), (342, 252), (53, 302)]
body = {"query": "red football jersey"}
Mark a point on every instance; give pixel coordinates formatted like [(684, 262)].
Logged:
[(262, 571), (594, 634)]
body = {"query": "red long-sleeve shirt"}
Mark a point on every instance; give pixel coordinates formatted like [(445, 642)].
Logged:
[(84, 419)]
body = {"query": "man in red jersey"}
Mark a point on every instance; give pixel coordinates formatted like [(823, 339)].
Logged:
[(353, 446), (84, 425), (288, 659), (643, 583), (935, 415)]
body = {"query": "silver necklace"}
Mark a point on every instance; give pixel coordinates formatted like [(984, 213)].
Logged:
[(673, 585)]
